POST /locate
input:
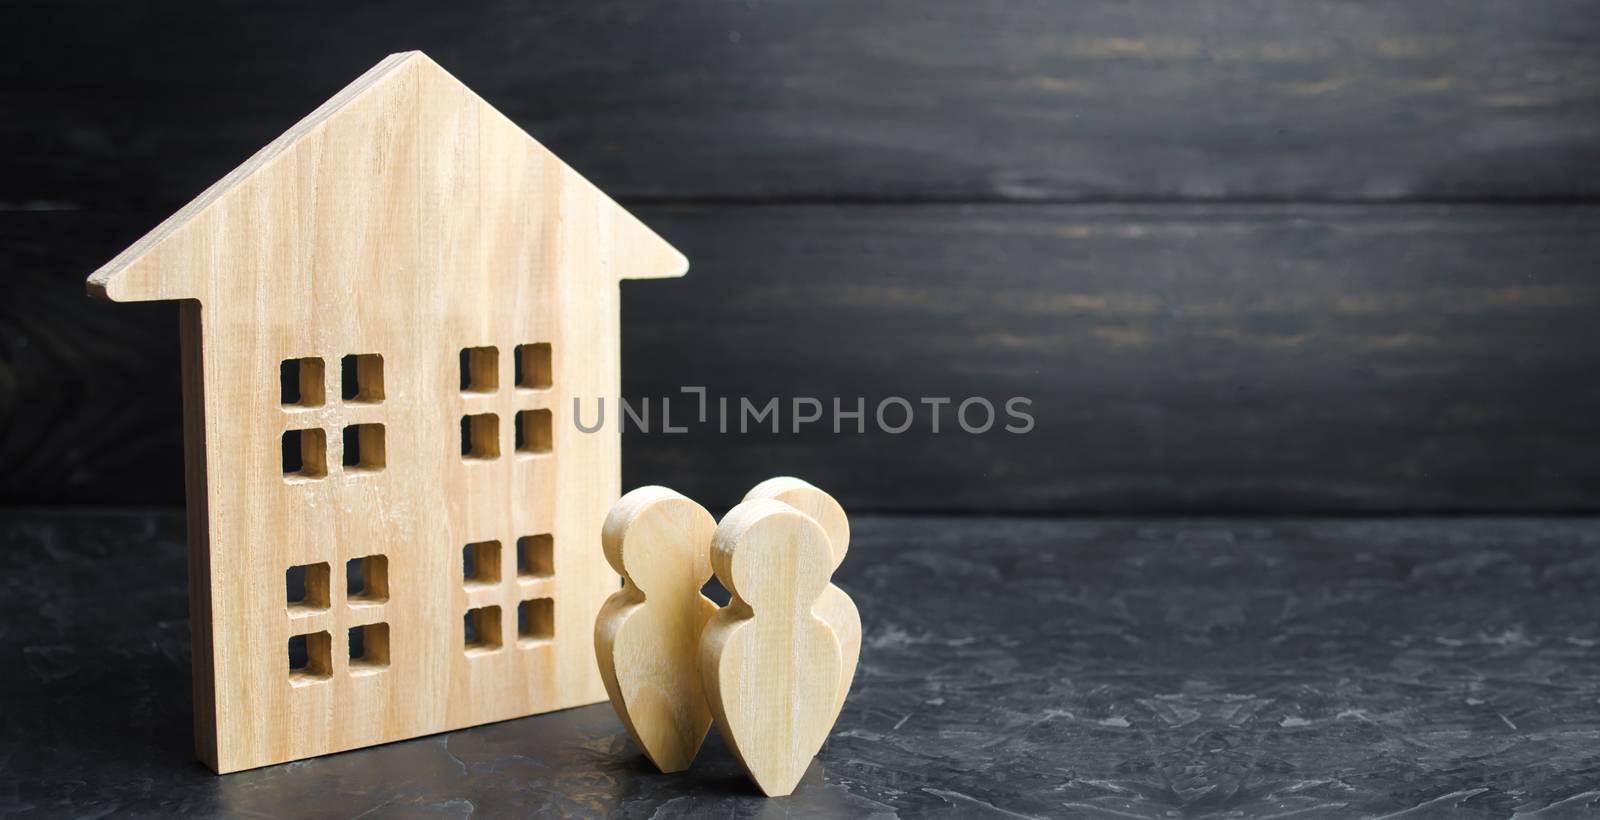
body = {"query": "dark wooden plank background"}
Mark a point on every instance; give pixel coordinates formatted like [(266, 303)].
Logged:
[(1244, 256), (145, 103)]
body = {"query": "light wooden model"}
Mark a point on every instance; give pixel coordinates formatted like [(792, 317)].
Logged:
[(771, 667), (648, 634), (834, 606), (386, 316)]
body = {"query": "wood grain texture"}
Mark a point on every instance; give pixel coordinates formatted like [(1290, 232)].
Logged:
[(426, 487), (647, 635), (90, 407), (771, 666), (1305, 359), (1196, 359), (834, 606), (993, 99), (1103, 668)]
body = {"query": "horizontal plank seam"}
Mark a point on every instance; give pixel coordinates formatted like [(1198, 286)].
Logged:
[(1095, 201), (1531, 513), (736, 202)]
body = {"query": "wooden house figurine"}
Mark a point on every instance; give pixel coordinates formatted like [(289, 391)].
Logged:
[(394, 523)]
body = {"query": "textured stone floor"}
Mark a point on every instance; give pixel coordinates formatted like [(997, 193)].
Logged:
[(1011, 667)]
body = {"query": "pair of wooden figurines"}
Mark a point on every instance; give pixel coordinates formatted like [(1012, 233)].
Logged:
[(773, 667)]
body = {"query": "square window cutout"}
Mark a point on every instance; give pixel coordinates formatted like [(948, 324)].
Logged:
[(310, 658), (367, 580), (533, 367), (480, 436), (361, 378), (480, 369), (306, 586), (536, 556), (300, 382), (369, 648), (480, 562), (481, 629), (305, 455), (534, 433), (536, 620), (363, 448)]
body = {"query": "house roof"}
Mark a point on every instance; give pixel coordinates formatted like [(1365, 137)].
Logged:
[(136, 274)]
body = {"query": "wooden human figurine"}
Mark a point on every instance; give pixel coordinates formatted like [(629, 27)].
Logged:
[(771, 668), (647, 634), (835, 606)]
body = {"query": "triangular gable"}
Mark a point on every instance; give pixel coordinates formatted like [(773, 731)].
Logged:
[(141, 274)]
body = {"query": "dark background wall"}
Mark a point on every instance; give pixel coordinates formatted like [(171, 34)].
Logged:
[(1244, 255)]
